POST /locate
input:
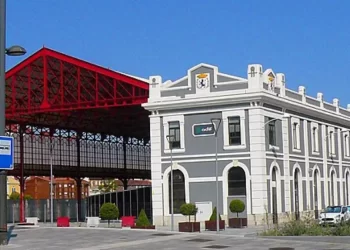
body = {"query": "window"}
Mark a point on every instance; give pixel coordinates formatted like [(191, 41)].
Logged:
[(234, 129), (13, 189), (174, 125), (295, 134), (314, 138), (331, 142), (233, 125), (295, 138), (174, 131), (272, 132), (178, 191), (346, 145), (236, 181)]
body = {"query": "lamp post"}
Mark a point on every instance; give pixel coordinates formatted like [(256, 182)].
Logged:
[(12, 51), (170, 139), (216, 124), (51, 181)]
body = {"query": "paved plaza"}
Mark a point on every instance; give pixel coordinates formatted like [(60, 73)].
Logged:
[(107, 239)]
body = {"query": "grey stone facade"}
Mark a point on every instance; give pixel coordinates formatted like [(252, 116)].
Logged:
[(289, 146)]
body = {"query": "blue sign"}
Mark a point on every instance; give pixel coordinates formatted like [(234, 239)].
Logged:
[(206, 129), (6, 153)]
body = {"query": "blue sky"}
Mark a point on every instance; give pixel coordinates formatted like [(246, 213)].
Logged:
[(308, 41)]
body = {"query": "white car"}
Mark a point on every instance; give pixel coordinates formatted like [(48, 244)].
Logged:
[(334, 215)]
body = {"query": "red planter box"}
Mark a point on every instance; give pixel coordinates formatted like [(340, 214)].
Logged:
[(63, 221), (128, 221), (211, 225), (189, 227), (237, 222), (148, 227)]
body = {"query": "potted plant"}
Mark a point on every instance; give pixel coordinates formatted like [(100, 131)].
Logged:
[(189, 209), (142, 221), (211, 223), (109, 211), (237, 206)]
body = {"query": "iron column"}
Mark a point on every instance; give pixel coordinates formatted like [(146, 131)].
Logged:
[(51, 184), (3, 174), (216, 124)]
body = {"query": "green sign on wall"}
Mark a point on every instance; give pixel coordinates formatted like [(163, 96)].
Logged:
[(206, 129)]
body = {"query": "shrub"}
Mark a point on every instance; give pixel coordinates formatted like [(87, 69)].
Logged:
[(213, 215), (188, 209), (142, 220), (109, 211), (237, 206)]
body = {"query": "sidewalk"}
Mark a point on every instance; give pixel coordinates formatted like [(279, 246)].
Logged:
[(240, 232)]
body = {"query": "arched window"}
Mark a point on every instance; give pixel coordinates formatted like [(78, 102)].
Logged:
[(347, 179), (179, 190), (274, 196), (236, 181), (332, 188), (297, 192)]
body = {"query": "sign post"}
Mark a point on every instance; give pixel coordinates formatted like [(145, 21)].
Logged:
[(6, 163), (6, 153)]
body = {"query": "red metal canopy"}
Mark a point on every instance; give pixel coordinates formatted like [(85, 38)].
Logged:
[(52, 89)]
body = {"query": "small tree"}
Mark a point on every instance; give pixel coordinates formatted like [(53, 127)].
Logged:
[(188, 209), (213, 215), (14, 196), (142, 220), (237, 206), (109, 211), (28, 197)]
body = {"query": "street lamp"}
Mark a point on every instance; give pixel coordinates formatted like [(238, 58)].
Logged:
[(216, 124), (171, 139), (3, 174), (51, 181), (285, 115), (15, 50)]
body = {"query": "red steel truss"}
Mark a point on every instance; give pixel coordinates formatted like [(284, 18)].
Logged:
[(90, 115)]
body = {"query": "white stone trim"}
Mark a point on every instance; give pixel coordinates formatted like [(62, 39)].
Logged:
[(209, 159), (300, 186), (225, 186), (347, 179), (331, 141), (346, 143), (273, 165), (307, 164), (319, 179), (295, 138), (205, 155), (315, 147), (204, 179), (166, 186), (234, 113), (156, 166), (181, 120), (335, 194)]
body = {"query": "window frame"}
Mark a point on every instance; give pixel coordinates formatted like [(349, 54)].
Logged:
[(296, 145), (176, 127), (176, 209), (346, 144), (234, 124), (331, 141), (315, 145), (225, 120), (272, 123), (173, 118)]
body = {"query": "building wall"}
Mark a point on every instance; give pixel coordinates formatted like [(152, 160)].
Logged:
[(64, 188), (12, 185), (299, 154)]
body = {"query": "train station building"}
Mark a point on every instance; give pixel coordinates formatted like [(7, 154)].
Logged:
[(280, 151)]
